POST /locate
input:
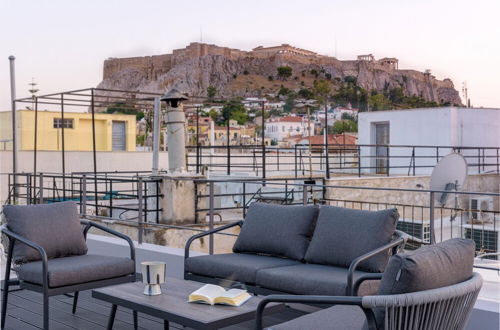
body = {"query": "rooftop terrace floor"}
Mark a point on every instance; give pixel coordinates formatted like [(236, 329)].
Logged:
[(24, 311)]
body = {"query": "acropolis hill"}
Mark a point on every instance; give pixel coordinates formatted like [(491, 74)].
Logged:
[(235, 72)]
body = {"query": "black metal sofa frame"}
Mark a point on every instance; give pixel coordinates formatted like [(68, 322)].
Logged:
[(352, 285)]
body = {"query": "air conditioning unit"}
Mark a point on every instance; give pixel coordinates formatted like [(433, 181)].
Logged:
[(486, 237), (420, 230), (480, 209)]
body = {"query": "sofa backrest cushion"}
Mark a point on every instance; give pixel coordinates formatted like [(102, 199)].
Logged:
[(55, 227), (342, 234), (429, 267), (277, 230)]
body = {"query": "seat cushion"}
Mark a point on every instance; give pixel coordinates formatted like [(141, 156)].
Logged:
[(239, 267), (342, 234), (338, 317), (55, 227), (76, 269), (277, 230), (312, 279), (429, 267)]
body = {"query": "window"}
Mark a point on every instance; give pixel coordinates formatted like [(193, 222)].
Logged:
[(60, 123)]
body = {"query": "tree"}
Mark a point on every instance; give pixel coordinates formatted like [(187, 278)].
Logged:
[(379, 102), (235, 110), (306, 93), (121, 107), (284, 72), (351, 80), (289, 104), (284, 91), (344, 126), (322, 89), (211, 92), (213, 114)]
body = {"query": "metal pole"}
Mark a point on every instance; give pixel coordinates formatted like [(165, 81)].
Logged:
[(309, 138), (431, 217), (139, 210), (228, 151), (40, 201), (211, 218), (36, 136), (326, 140), (94, 148), (197, 139), (84, 195), (62, 147), (14, 128), (263, 137), (304, 194), (156, 135)]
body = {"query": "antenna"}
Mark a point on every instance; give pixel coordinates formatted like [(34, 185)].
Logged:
[(201, 34), (448, 175), (33, 90)]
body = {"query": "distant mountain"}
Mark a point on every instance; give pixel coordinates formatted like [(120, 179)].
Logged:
[(235, 72)]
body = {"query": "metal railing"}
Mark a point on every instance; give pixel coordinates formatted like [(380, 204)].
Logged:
[(116, 195), (356, 159), (421, 216)]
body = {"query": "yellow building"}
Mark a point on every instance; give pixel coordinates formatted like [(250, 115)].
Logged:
[(113, 131)]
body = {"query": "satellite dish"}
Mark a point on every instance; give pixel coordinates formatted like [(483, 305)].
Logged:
[(449, 174)]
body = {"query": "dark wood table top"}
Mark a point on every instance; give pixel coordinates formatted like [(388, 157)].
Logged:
[(172, 304)]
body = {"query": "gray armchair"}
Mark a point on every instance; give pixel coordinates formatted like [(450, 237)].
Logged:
[(47, 246), (430, 288)]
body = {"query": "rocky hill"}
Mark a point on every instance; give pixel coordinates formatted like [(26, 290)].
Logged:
[(251, 73)]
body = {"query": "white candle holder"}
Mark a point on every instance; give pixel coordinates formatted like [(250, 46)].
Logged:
[(153, 274)]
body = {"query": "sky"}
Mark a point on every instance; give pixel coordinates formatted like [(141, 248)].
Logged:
[(62, 44)]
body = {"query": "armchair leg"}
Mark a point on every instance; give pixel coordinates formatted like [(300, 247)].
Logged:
[(5, 295), (75, 301), (136, 321), (6, 284), (45, 311)]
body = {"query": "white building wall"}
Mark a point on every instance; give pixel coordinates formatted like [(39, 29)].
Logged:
[(444, 127)]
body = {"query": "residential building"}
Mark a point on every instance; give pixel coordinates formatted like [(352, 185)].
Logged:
[(338, 112), (461, 128), (277, 129), (113, 132)]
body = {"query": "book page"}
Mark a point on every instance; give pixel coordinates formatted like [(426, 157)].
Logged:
[(209, 291), (232, 293)]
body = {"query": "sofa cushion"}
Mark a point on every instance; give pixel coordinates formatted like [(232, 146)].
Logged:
[(277, 230), (239, 267), (338, 317), (342, 234), (312, 279), (55, 227), (429, 267), (76, 269)]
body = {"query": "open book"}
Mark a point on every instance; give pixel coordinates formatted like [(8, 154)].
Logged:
[(214, 294)]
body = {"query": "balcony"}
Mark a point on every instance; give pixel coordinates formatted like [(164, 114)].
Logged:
[(131, 203)]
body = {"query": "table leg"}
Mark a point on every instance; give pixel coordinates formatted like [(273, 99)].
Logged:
[(165, 325), (136, 321), (111, 319)]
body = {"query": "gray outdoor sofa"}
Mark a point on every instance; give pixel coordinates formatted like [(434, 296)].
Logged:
[(430, 288), (302, 250), (47, 245)]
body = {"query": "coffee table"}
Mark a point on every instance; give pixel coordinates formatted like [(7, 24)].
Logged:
[(172, 305)]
